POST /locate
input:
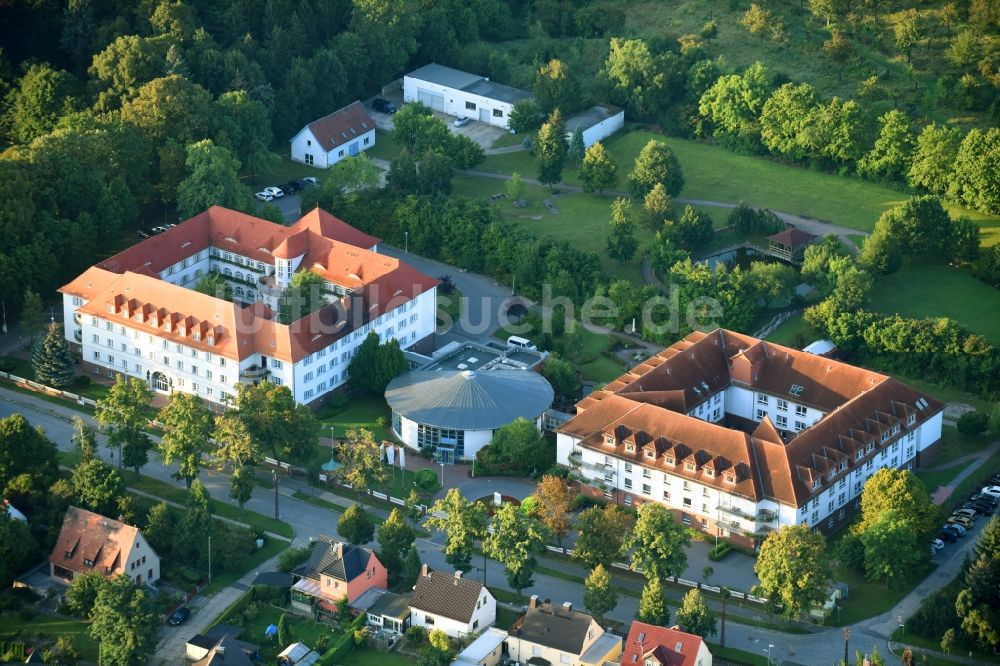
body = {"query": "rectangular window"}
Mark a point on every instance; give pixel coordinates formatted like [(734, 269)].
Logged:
[(800, 410), (782, 421), (666, 495), (194, 369), (761, 414), (628, 467), (761, 399), (309, 158), (628, 500), (470, 106), (498, 113), (687, 502), (646, 489), (96, 338), (97, 355), (275, 363), (799, 425), (628, 484)]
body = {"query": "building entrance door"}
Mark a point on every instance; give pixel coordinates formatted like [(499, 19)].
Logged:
[(160, 382)]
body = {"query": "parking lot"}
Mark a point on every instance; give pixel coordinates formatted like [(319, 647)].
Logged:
[(482, 133)]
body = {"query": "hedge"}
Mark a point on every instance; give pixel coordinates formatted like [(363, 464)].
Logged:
[(716, 553), (343, 644)]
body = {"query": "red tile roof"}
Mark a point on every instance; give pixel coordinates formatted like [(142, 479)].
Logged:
[(90, 537), (668, 647), (321, 222), (342, 126), (644, 412), (791, 237)]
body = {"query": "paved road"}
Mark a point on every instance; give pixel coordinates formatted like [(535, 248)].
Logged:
[(819, 649)]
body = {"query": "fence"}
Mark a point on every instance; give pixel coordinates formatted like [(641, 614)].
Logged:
[(680, 581), (775, 323), (47, 390)]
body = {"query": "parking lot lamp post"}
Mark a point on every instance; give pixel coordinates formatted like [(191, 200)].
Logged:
[(847, 637)]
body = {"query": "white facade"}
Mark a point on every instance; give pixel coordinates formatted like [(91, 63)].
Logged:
[(456, 102), (143, 564), (698, 503), (413, 435), (307, 149), (484, 615), (597, 128)]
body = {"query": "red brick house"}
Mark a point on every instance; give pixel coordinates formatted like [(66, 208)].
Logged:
[(335, 570)]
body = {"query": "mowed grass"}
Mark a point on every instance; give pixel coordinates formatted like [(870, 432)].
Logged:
[(713, 173), (15, 628), (940, 291)]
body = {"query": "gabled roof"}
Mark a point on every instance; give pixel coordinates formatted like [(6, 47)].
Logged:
[(329, 226), (227, 651), (342, 126), (667, 647), (336, 559), (552, 626), (450, 596), (89, 542), (791, 237), (470, 83)]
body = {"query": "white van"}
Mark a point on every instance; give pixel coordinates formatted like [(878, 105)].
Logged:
[(515, 341)]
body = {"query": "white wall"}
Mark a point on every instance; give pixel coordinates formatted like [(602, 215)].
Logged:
[(305, 143), (140, 549), (455, 101), (603, 129), (482, 618)]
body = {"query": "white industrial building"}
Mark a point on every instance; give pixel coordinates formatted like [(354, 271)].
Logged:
[(459, 93), (596, 123), (137, 313)]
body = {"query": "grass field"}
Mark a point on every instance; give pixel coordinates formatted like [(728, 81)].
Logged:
[(939, 291), (368, 657), (955, 445), (787, 333), (714, 173), (361, 411), (13, 627)]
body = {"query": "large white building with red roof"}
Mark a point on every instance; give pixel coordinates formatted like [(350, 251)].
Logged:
[(738, 436), (137, 313)]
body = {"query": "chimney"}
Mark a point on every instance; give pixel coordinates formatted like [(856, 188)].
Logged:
[(458, 574), (424, 570), (220, 649), (568, 606), (533, 601), (339, 550)]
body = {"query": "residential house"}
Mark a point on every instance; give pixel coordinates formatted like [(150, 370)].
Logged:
[(458, 606), (221, 646), (487, 650), (738, 436), (653, 645), (346, 132), (390, 613), (89, 542), (137, 313), (335, 570), (552, 634), (459, 93), (596, 123)]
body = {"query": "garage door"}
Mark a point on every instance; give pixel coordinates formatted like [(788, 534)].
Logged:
[(429, 99)]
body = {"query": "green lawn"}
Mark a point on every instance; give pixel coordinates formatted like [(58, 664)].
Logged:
[(12, 627), (302, 629), (505, 617), (179, 494), (935, 290), (362, 656), (734, 656), (384, 148), (508, 139), (450, 305), (283, 171), (361, 411), (787, 333), (944, 393), (955, 445), (271, 548)]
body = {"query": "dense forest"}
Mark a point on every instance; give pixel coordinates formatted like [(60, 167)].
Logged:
[(113, 110)]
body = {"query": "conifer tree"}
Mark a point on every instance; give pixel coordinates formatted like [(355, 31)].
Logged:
[(652, 604), (52, 360)]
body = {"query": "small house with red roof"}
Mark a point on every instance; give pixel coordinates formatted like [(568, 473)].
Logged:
[(789, 244), (653, 645), (346, 132), (91, 543)]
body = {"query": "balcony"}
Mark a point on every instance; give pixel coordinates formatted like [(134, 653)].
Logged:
[(254, 373), (766, 516), (575, 458), (736, 511)]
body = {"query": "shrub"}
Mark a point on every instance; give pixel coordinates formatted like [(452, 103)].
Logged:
[(416, 634), (426, 480), (581, 502), (82, 382), (360, 634), (293, 557), (973, 423), (716, 553)]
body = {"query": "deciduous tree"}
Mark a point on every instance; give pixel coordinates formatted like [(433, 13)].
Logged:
[(598, 170), (124, 413), (793, 569), (900, 491), (554, 498), (757, 21), (303, 296), (657, 543), (213, 284), (211, 179), (602, 534), (976, 171), (655, 163), (892, 548), (892, 155), (639, 78), (361, 461), (599, 595), (653, 604), (524, 116), (124, 621), (555, 88), (518, 446), (395, 538), (194, 527), (97, 486), (694, 615), (188, 426), (356, 525), (82, 592), (462, 522), (32, 317), (375, 364), (16, 547), (160, 529), (549, 149), (934, 158), (513, 542)]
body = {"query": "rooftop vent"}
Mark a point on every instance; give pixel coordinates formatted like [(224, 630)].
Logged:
[(679, 647)]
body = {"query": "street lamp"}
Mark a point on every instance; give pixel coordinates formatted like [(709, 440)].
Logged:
[(442, 473), (768, 651), (406, 247), (847, 637)]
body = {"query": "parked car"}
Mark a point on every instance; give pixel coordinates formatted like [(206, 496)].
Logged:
[(948, 536), (957, 529), (995, 480), (274, 192), (291, 187), (158, 230), (461, 121), (937, 544), (144, 234), (983, 507), (986, 498), (264, 196), (179, 616), (961, 520), (992, 491), (968, 513), (384, 106), (310, 180)]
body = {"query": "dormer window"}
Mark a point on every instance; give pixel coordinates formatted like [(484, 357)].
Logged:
[(609, 440), (859, 454), (709, 471), (211, 339), (911, 419), (670, 460), (630, 447), (689, 467), (895, 429), (650, 454), (843, 465), (869, 447), (730, 478), (197, 336), (89, 563), (816, 483), (111, 308), (885, 436)]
